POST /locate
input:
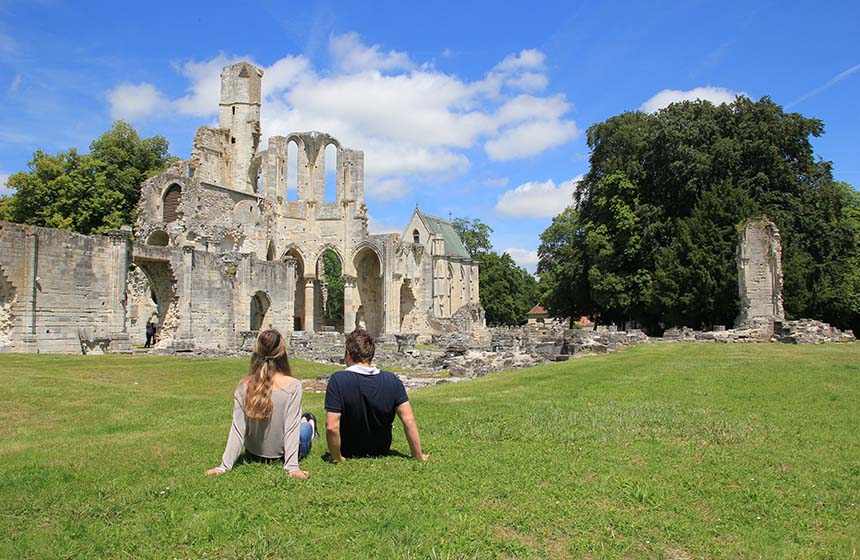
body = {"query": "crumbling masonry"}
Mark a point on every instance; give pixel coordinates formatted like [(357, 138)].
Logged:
[(223, 247)]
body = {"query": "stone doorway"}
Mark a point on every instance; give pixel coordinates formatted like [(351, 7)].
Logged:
[(154, 292), (260, 304), (369, 287)]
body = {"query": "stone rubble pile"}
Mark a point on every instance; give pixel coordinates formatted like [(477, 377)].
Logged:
[(801, 331)]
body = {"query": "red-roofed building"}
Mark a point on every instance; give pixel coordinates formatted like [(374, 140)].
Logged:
[(538, 315)]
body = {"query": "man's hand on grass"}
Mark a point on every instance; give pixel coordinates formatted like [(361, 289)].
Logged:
[(421, 456)]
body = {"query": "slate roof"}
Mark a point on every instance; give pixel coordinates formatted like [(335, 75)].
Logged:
[(453, 245)]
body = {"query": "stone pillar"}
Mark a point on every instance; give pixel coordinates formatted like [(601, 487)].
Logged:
[(29, 289), (760, 274), (392, 317), (348, 303), (120, 258), (290, 308), (309, 304), (186, 323)]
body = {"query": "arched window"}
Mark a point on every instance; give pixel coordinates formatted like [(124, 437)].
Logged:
[(330, 178), (416, 236), (292, 164), (172, 197)]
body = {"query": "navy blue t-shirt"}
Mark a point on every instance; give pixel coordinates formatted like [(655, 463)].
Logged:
[(366, 404)]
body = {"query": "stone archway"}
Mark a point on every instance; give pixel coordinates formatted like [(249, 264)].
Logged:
[(368, 269), (299, 297), (260, 304), (158, 286), (329, 306)]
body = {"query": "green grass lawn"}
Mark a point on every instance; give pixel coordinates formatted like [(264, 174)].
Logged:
[(662, 451)]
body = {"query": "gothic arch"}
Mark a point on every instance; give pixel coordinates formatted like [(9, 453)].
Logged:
[(367, 245)]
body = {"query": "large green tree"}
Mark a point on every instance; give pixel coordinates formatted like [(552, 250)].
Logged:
[(474, 234), (508, 291), (87, 193), (653, 232), (334, 283)]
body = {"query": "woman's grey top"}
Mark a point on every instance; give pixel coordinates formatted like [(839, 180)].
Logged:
[(273, 437)]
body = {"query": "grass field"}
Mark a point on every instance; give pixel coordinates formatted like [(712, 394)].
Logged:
[(662, 451)]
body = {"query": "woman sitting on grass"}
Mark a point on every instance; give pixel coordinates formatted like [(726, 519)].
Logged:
[(267, 412)]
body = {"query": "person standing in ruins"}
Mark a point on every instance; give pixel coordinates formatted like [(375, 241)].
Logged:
[(267, 412), (361, 403), (150, 331)]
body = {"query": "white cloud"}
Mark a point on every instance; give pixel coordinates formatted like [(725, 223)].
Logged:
[(537, 200), (715, 95), (205, 89), (410, 119), (374, 226), (529, 139), (131, 102), (350, 55), (529, 81), (528, 59), (4, 190), (524, 257), (391, 188), (284, 73)]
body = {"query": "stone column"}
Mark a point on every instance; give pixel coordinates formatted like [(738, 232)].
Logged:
[(290, 281), (120, 248), (120, 240), (29, 289), (185, 321), (309, 304), (392, 322), (348, 303)]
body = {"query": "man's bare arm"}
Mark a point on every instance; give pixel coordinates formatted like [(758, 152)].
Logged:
[(332, 435), (410, 428)]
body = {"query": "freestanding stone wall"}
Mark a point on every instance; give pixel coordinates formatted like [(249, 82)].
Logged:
[(62, 292), (760, 273)]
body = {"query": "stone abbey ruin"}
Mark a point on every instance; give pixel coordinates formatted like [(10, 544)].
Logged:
[(222, 248)]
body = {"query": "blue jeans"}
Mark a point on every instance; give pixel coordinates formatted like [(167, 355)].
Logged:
[(306, 436)]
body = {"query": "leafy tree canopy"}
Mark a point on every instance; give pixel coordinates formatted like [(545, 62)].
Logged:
[(652, 235), (508, 292), (87, 193), (474, 234)]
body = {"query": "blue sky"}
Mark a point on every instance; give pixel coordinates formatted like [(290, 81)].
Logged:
[(467, 109)]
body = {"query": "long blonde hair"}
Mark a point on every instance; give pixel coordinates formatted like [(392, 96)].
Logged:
[(269, 358)]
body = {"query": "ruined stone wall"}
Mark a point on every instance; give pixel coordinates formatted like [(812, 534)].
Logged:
[(60, 290), (220, 297), (760, 273)]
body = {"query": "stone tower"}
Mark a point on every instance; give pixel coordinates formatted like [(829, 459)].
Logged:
[(760, 273), (240, 114)]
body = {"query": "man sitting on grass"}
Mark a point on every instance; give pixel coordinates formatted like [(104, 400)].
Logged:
[(360, 405)]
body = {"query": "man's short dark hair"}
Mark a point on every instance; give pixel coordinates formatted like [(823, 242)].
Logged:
[(360, 346)]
